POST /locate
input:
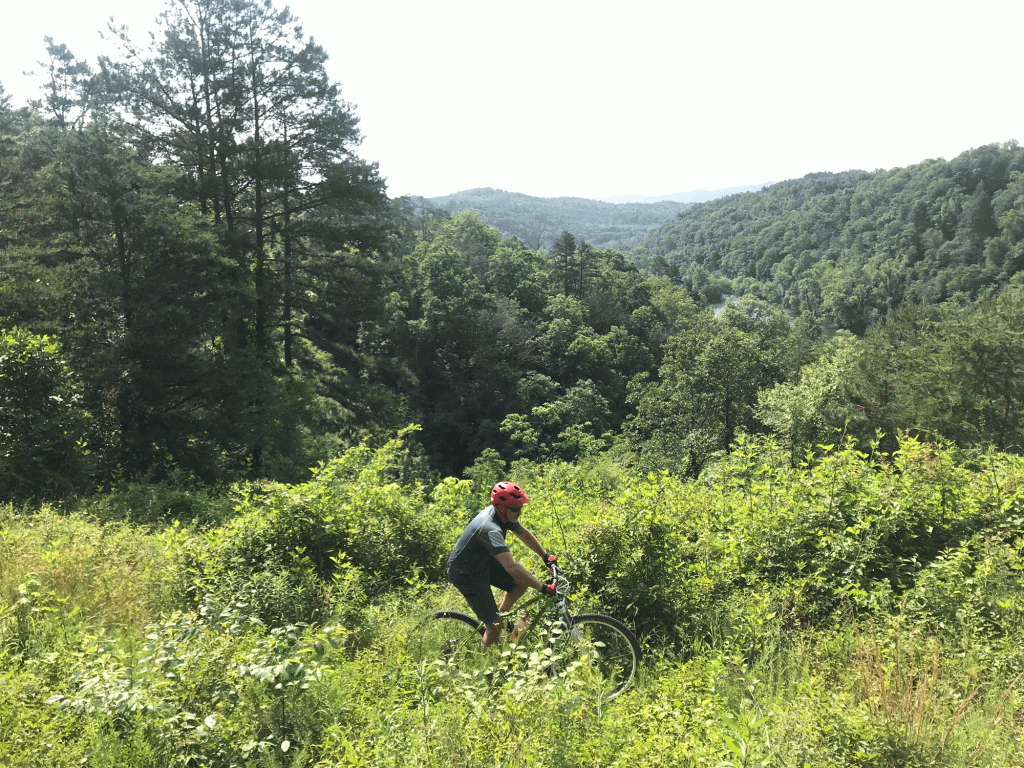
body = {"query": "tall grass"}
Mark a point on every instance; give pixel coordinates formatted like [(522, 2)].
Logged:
[(114, 575), (780, 633)]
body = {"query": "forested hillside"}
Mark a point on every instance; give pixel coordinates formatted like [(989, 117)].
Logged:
[(539, 221), (851, 247), (211, 282), (181, 300)]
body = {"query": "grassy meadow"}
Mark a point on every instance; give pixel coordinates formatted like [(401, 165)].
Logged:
[(855, 610)]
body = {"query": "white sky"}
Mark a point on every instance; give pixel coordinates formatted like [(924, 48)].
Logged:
[(648, 97)]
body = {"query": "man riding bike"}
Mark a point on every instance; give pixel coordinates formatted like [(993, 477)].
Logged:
[(481, 558)]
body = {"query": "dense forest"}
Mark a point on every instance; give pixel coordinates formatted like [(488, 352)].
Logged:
[(852, 247), (248, 401), (235, 296)]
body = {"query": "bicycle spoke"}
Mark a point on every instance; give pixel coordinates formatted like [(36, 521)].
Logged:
[(597, 651), (448, 638)]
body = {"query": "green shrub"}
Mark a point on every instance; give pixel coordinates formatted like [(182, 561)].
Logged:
[(751, 659), (43, 455), (653, 561), (148, 503), (852, 530), (286, 544)]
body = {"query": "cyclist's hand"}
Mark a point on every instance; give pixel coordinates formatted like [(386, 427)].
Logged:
[(548, 588), (551, 560)]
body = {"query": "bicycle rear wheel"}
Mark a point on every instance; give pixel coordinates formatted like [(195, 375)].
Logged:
[(597, 649), (450, 637)]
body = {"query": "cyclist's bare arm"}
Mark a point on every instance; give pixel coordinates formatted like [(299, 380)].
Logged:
[(530, 541), (517, 571)]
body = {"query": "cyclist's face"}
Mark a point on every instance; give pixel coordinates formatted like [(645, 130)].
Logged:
[(510, 514)]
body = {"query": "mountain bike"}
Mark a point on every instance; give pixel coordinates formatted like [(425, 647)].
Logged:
[(588, 646)]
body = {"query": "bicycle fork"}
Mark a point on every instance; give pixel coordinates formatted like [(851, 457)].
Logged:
[(563, 615)]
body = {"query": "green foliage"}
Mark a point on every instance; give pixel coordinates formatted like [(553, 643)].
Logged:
[(44, 427), (853, 246), (220, 285), (176, 499), (59, 570), (289, 549), (707, 388), (949, 371), (569, 428), (239, 300), (850, 611), (805, 412), (644, 562), (164, 255), (975, 586)]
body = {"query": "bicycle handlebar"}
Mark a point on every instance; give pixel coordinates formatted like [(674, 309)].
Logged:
[(559, 583)]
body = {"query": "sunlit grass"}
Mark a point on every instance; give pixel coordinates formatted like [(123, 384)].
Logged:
[(113, 575), (750, 658)]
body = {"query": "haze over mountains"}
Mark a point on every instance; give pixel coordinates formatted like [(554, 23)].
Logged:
[(538, 221), (696, 196)]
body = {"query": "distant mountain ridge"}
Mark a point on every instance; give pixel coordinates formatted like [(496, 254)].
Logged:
[(538, 221)]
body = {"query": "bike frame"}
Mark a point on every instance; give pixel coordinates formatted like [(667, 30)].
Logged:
[(560, 609)]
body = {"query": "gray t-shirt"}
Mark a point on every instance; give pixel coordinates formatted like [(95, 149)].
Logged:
[(483, 538)]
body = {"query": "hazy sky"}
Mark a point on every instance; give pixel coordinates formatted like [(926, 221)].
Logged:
[(596, 99)]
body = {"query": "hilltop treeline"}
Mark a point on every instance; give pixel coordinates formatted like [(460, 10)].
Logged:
[(201, 279)]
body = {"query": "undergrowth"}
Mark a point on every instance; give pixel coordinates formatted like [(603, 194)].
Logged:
[(845, 612)]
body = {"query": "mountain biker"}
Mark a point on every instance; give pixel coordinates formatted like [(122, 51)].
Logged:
[(481, 558)]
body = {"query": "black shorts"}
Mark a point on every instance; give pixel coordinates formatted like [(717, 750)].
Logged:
[(477, 590)]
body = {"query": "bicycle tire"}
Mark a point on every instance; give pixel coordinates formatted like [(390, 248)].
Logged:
[(602, 647), (449, 637)]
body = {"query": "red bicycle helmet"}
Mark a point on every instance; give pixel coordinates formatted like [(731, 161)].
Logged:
[(508, 494)]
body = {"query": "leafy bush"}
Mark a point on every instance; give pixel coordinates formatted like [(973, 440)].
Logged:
[(647, 562), (839, 531), (286, 544), (44, 426), (177, 498), (852, 530)]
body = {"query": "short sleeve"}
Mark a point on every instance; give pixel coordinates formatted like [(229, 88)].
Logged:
[(496, 542)]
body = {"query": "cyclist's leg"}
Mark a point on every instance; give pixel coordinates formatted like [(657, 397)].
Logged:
[(481, 600), (510, 597), (503, 580), (492, 634)]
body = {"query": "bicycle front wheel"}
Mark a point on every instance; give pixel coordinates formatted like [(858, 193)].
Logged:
[(599, 650), (449, 637)]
